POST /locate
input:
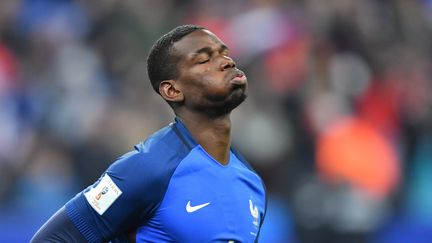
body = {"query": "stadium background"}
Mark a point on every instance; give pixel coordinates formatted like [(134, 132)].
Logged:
[(338, 119)]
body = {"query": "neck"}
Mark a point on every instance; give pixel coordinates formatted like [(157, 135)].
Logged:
[(212, 133)]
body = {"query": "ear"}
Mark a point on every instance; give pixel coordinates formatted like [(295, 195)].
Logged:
[(170, 91)]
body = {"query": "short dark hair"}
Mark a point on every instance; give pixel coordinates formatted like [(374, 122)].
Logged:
[(162, 61)]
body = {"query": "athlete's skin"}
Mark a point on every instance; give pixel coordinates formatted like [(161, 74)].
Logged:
[(208, 88)]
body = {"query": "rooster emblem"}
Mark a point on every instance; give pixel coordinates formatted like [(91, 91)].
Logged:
[(254, 212)]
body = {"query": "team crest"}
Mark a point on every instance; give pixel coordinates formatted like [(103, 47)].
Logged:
[(254, 212)]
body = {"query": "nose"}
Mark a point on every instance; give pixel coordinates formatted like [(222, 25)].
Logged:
[(227, 62)]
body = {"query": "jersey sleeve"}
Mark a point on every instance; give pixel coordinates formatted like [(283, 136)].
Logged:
[(126, 194), (58, 229)]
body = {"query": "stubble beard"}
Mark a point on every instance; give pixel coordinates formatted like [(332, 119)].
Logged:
[(221, 106)]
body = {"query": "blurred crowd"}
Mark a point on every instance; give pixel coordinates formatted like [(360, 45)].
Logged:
[(338, 120)]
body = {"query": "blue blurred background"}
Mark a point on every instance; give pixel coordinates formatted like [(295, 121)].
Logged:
[(338, 121)]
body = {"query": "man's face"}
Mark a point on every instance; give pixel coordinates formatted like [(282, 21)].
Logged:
[(208, 77)]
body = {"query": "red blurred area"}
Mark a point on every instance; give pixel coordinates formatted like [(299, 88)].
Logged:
[(8, 68), (352, 151)]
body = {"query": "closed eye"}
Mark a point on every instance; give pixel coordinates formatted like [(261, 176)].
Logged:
[(203, 61), (202, 58)]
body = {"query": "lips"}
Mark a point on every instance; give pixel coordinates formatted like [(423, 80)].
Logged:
[(239, 78)]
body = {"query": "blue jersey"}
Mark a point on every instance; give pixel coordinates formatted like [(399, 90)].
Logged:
[(170, 190)]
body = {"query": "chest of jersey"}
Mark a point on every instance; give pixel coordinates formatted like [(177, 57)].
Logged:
[(208, 202)]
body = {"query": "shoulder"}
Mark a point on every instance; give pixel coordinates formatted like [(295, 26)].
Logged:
[(252, 173), (245, 163), (159, 153), (248, 167), (149, 167)]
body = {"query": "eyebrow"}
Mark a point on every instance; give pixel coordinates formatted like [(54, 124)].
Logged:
[(208, 50)]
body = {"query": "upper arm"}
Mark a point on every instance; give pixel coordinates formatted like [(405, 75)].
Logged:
[(124, 197), (117, 201)]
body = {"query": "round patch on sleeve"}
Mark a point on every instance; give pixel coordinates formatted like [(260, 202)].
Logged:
[(102, 196)]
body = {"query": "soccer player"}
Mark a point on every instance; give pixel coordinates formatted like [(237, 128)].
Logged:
[(185, 183)]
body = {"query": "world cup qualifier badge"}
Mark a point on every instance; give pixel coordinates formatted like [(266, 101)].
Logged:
[(103, 192), (103, 195)]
